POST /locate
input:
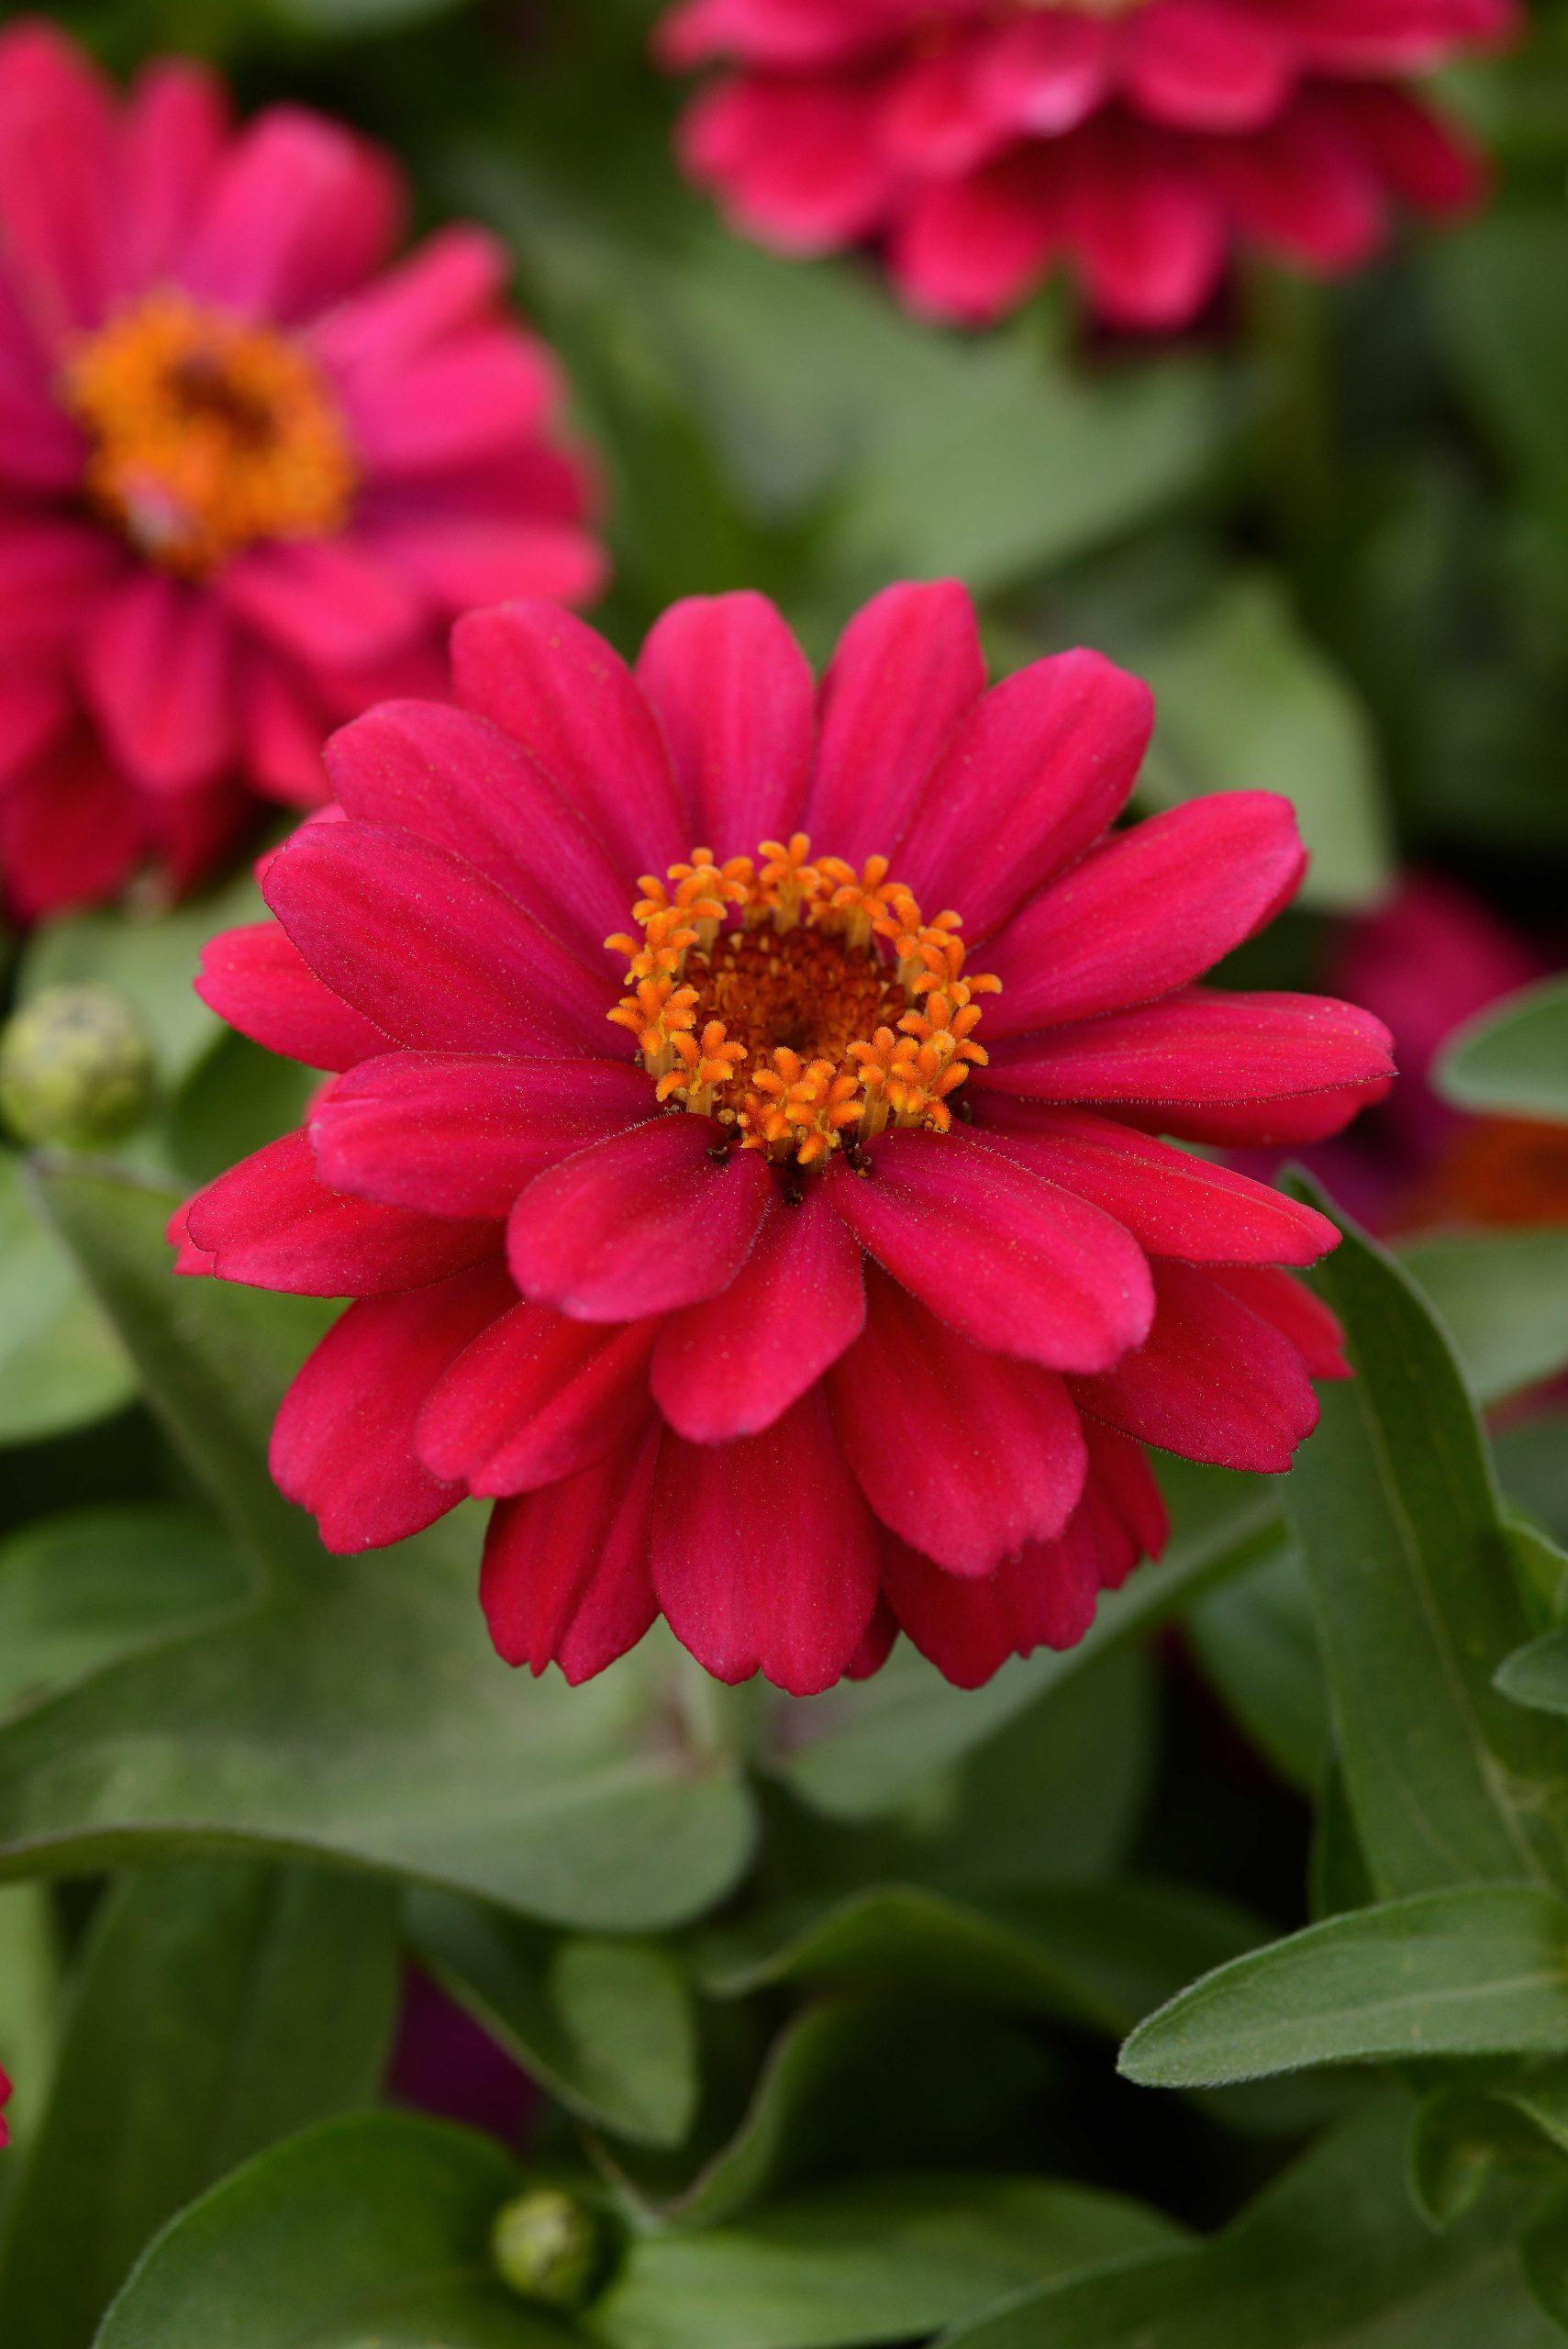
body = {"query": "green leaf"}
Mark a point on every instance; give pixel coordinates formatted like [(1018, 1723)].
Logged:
[(1397, 1513), (369, 2233), (865, 1749), (1256, 1641), (1536, 1674), (1461, 2135), (606, 2026), (1503, 1298), (357, 1708), (1334, 2255), (30, 2004), (1099, 1955), (1246, 701), (217, 2009), (1508, 345), (80, 1590), (60, 1363), (1513, 1059), (1479, 1971), (864, 2260)]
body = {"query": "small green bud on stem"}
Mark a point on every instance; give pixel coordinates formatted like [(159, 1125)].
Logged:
[(546, 2245), (76, 1068)]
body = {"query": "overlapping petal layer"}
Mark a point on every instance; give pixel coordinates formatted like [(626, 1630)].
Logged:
[(795, 1386)]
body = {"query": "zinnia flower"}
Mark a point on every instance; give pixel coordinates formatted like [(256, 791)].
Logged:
[(806, 1265), (983, 142), (249, 473), (5, 2099)]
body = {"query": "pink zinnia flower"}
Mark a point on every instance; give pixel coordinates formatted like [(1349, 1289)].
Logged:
[(983, 142), (782, 1270), (5, 2099), (249, 473)]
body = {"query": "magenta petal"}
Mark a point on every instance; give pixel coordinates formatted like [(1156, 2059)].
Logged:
[(1012, 1260), (461, 562), (1213, 1382), (935, 123), (554, 685), (968, 249), (644, 1222), (35, 708), (330, 603), (1210, 64), (462, 1135), (1423, 159), (441, 958), (60, 193), (72, 832), (271, 1222), (1044, 73), (735, 695), (1173, 1203), (964, 1453), (765, 1558), (565, 1578), (301, 211), (968, 1625), (1203, 1047), (450, 281), (796, 163), (475, 394), (536, 1397), (1148, 233), (1291, 1308), (1147, 913), (734, 1364), (282, 726), (159, 669), (1304, 188), (177, 124), (1032, 777), (258, 980), (343, 1443), (907, 669)]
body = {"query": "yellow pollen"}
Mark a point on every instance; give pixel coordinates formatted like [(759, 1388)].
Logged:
[(206, 434), (804, 1004)]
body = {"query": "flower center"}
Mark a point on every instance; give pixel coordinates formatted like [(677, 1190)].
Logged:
[(208, 434), (804, 1005)]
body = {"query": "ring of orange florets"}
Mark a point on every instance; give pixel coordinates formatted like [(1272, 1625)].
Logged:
[(803, 1005), (208, 434)]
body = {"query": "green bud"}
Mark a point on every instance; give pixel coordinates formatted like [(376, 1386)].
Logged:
[(76, 1068), (546, 2244)]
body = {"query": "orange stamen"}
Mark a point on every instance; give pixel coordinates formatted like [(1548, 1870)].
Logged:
[(804, 1005), (208, 434)]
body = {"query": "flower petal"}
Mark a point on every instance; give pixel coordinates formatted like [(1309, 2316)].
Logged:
[(765, 1558), (452, 279), (1293, 1311), (908, 667), (344, 1441), (732, 1365), (970, 250), (301, 211), (1210, 64), (967, 1455), (60, 193), (158, 671), (258, 980), (735, 695), (271, 1222), (968, 1625), (462, 1134), (644, 1222), (331, 603), (1012, 1260), (795, 163), (176, 124), (536, 1397), (565, 1578)]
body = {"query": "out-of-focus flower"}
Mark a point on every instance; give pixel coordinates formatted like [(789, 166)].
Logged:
[(445, 2063), (76, 1068), (788, 1274), (249, 471), (985, 142), (5, 2099)]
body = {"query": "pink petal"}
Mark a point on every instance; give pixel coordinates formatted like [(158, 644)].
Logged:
[(474, 396), (175, 129), (425, 945), (257, 979), (1045, 74), (565, 1578), (1122, 1487), (460, 783), (969, 1625), (1148, 231), (301, 212), (59, 192), (797, 164), (53, 574), (194, 831), (554, 685), (453, 1135), (40, 447), (970, 250), (735, 697), (909, 668), (1148, 912), (1398, 36), (1209, 64), (733, 1365), (1302, 188), (765, 1558), (967, 1455), (35, 707), (1254, 1125), (271, 1222), (158, 669), (282, 726), (1011, 1261), (1428, 164), (334, 603), (1204, 1047), (72, 832), (645, 1223), (934, 122), (536, 1398), (784, 33), (462, 562), (453, 280), (1035, 774), (1215, 1382), (344, 1441), (1295, 1312), (1173, 1203)]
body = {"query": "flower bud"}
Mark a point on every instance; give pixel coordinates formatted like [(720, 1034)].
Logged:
[(76, 1068), (547, 2244)]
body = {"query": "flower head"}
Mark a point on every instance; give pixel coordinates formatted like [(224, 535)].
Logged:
[(984, 142), (249, 467), (5, 2099), (804, 1265)]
